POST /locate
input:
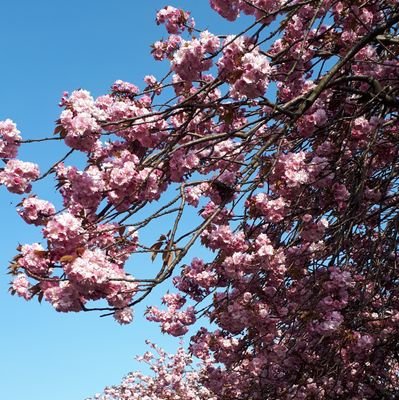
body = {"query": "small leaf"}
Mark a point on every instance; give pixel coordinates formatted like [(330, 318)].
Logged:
[(58, 129), (167, 258), (35, 289), (155, 250), (122, 230), (41, 253), (80, 251), (40, 297), (67, 259), (13, 268)]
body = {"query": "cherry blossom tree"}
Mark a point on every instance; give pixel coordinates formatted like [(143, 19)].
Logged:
[(276, 149)]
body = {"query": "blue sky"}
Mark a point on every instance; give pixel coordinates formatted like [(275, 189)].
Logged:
[(47, 47)]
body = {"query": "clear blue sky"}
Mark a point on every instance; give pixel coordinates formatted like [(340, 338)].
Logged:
[(49, 46)]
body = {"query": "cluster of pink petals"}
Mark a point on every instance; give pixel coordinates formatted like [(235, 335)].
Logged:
[(189, 60), (174, 321), (62, 295), (126, 182), (34, 260), (231, 9), (272, 209), (9, 139), (244, 67), (20, 286), (196, 279), (175, 20), (175, 379), (162, 49), (17, 176), (294, 167), (81, 190), (222, 236), (313, 231), (80, 120), (64, 233), (36, 211), (91, 269), (227, 9), (93, 274), (124, 316), (122, 87)]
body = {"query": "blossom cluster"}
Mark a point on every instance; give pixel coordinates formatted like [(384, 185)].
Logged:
[(277, 152), (17, 176), (9, 139)]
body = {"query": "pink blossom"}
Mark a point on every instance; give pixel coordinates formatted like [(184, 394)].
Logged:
[(80, 120), (361, 128), (173, 321), (36, 211), (247, 71), (150, 80), (122, 87), (189, 60), (92, 268), (18, 175), (62, 295), (209, 41), (64, 233), (255, 76), (227, 9), (81, 189), (330, 324), (272, 209), (124, 316), (34, 259), (263, 245), (341, 194), (196, 279), (9, 139), (314, 231), (165, 48), (193, 193), (20, 285), (175, 20)]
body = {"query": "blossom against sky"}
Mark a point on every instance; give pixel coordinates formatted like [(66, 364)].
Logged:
[(50, 47)]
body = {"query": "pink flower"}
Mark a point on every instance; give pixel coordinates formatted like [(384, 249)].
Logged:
[(36, 211), (189, 60), (330, 324), (227, 9), (91, 269), (124, 316), (209, 41), (9, 139), (341, 195), (165, 49), (18, 175), (174, 19), (263, 246), (122, 87), (247, 71), (63, 296), (80, 120), (20, 285), (34, 259), (64, 233), (273, 210)]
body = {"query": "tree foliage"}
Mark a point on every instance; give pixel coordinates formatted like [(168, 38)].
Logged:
[(275, 148)]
